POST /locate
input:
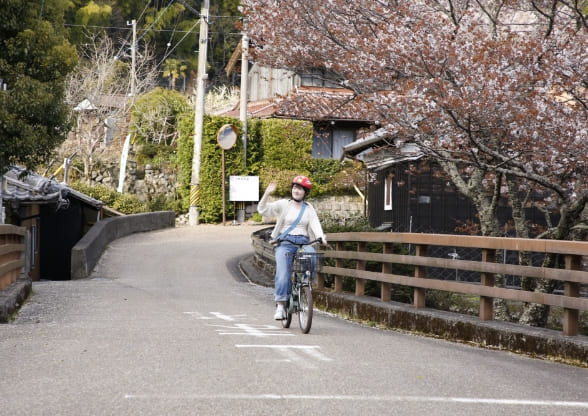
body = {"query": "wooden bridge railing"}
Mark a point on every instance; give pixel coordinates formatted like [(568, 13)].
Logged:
[(12, 259), (572, 277)]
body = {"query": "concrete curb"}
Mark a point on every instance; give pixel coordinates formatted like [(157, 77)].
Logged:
[(13, 297), (536, 342)]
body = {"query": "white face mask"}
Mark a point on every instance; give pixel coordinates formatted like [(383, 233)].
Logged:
[(298, 193)]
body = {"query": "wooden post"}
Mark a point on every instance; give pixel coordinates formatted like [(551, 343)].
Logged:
[(386, 268), (487, 279), (420, 272), (360, 283), (339, 246), (4, 258), (320, 281), (570, 318)]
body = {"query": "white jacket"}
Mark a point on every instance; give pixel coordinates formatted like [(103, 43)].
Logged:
[(279, 208)]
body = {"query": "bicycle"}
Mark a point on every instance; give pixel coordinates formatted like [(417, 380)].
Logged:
[(305, 266)]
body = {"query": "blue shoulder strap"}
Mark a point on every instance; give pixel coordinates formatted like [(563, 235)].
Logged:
[(294, 224)]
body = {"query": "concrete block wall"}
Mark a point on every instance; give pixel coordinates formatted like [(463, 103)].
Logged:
[(334, 206), (339, 206)]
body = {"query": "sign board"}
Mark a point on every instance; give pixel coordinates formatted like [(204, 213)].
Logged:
[(244, 188)]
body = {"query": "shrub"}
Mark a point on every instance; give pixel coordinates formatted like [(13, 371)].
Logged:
[(127, 204), (161, 202)]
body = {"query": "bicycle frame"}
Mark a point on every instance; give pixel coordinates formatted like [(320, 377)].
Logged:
[(305, 265)]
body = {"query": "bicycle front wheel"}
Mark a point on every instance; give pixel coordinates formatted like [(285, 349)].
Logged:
[(288, 319), (305, 309)]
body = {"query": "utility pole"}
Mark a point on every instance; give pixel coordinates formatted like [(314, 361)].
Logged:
[(125, 153), (133, 58), (244, 87), (199, 116)]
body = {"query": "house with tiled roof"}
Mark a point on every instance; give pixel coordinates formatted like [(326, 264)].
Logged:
[(278, 93)]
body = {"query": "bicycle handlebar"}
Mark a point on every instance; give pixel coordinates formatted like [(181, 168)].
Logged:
[(318, 240)]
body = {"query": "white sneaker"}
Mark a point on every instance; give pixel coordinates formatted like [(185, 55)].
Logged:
[(280, 313)]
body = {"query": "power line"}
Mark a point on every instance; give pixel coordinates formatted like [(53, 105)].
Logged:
[(126, 28), (177, 44), (158, 17), (140, 30)]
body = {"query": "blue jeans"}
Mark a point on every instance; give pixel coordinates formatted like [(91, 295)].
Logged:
[(283, 255)]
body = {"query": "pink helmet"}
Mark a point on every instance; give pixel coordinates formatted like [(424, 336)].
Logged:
[(302, 181)]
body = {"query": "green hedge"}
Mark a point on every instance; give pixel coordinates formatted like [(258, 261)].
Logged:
[(185, 152)]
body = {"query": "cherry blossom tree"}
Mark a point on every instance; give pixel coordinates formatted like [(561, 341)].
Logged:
[(495, 90)]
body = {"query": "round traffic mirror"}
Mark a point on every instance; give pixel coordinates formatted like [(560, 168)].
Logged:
[(227, 136)]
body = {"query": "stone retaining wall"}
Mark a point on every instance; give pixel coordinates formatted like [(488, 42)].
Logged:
[(338, 207), (142, 184)]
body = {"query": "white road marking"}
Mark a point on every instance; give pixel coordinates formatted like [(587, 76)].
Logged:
[(217, 315), (289, 352), (467, 400), (260, 331), (230, 318)]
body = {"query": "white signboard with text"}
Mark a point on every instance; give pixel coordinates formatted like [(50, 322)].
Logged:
[(244, 188)]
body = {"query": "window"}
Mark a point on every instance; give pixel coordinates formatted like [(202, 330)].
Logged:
[(318, 78), (388, 192), (328, 143)]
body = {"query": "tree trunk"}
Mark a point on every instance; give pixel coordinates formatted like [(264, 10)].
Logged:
[(570, 214), (486, 203), (521, 228)]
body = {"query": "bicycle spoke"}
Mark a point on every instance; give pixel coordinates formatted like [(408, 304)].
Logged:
[(305, 313)]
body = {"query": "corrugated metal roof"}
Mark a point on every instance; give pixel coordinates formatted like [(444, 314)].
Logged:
[(103, 101), (28, 187), (378, 149), (383, 157), (380, 137)]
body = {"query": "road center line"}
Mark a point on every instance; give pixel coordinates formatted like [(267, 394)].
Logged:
[(279, 347), (469, 400)]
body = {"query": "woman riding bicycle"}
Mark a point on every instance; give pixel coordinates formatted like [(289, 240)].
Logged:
[(298, 223)]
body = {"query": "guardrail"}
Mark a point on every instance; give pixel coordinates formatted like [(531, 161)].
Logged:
[(12, 259), (571, 276)]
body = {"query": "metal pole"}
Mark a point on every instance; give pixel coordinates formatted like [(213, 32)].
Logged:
[(199, 115), (223, 186), (2, 199), (244, 92)]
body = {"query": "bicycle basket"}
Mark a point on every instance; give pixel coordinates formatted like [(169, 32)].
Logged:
[(308, 261)]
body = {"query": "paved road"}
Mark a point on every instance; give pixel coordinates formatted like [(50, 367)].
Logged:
[(166, 325)]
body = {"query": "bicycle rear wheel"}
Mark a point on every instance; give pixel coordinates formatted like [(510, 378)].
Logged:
[(305, 309)]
